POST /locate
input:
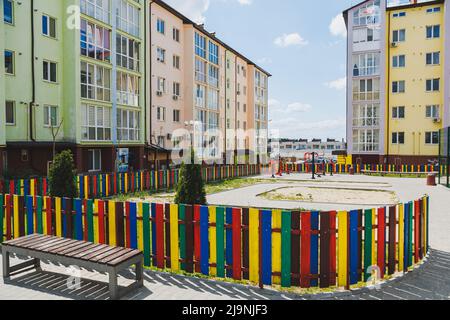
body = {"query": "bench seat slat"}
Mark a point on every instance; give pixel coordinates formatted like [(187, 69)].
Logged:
[(21, 242), (60, 251), (81, 250), (124, 258), (115, 256), (96, 253), (79, 246), (59, 245), (99, 257), (98, 248), (23, 239), (41, 246)]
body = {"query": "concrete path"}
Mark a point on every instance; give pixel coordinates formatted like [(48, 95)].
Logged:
[(429, 281)]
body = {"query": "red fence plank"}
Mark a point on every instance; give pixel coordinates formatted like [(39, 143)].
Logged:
[(237, 245), (305, 256), (295, 247)]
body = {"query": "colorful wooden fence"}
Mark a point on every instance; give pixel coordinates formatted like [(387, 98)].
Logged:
[(106, 185), (266, 247), (345, 169)]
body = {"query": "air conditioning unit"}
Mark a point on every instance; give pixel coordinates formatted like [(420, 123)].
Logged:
[(437, 120), (175, 97), (394, 44), (159, 93)]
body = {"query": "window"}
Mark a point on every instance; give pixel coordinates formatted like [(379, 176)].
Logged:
[(48, 26), (161, 26), (95, 82), (127, 53), (176, 62), (213, 78), (398, 138), (366, 89), (366, 140), (161, 55), (95, 41), (128, 17), (95, 160), (213, 99), (433, 85), (176, 89), (433, 31), (98, 9), (399, 14), (96, 123), (433, 10), (127, 89), (432, 137), (176, 116), (200, 100), (366, 35), (200, 45), (433, 58), (10, 113), (364, 115), (161, 141), (368, 14), (161, 114), (432, 111), (398, 86), (399, 35), (9, 62), (200, 70), (399, 61), (50, 116), (213, 53), (8, 11), (128, 125), (398, 112), (161, 85), (49, 71), (366, 64), (176, 34)]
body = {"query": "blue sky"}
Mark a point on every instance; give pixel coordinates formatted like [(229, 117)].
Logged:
[(301, 42)]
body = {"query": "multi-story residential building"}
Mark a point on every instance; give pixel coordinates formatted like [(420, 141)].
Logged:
[(198, 83), (296, 149), (74, 75), (398, 80)]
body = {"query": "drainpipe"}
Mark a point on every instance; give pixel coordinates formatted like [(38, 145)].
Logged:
[(388, 95), (33, 76), (114, 84), (226, 108)]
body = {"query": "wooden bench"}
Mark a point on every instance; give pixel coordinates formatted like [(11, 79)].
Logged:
[(398, 173), (102, 258)]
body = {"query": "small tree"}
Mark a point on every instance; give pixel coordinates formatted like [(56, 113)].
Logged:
[(190, 188), (62, 176)]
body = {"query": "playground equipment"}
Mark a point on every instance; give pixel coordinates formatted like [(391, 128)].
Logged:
[(312, 156)]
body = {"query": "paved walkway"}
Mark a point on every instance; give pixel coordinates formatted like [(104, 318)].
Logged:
[(429, 281)]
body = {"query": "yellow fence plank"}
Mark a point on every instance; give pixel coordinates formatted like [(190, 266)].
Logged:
[(174, 238), (342, 248), (276, 246), (112, 223), (254, 245), (213, 240)]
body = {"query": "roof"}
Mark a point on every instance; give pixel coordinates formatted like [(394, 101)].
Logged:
[(213, 36)]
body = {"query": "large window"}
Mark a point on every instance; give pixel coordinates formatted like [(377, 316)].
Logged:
[(366, 35), (96, 123), (48, 26), (433, 31), (213, 78), (95, 41), (366, 115), (128, 18), (213, 53), (127, 89), (200, 70), (200, 45), (98, 9), (127, 53), (366, 64), (9, 62), (213, 120), (366, 89), (213, 99), (95, 82), (8, 11), (10, 113), (366, 140), (368, 14), (128, 125), (200, 100)]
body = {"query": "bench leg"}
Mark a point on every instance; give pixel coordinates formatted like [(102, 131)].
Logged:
[(6, 266), (113, 285), (140, 274)]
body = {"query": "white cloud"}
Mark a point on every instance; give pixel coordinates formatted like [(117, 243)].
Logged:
[(298, 107), (292, 39), (291, 109), (337, 26), (245, 2), (338, 84), (193, 9)]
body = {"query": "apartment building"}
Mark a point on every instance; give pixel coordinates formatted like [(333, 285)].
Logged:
[(297, 148), (398, 80), (199, 84), (73, 75)]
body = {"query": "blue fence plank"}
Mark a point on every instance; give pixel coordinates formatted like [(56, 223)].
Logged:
[(133, 225), (267, 247), (354, 247), (204, 240), (30, 218), (78, 219)]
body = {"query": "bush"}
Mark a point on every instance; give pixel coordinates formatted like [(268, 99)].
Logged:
[(190, 188), (62, 176)]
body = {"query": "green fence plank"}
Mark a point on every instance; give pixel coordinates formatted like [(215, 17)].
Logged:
[(40, 226), (220, 235), (90, 220), (286, 230), (368, 227), (146, 226)]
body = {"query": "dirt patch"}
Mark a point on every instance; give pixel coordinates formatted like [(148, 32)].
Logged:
[(332, 195)]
